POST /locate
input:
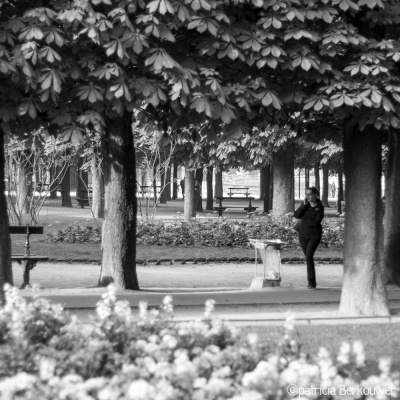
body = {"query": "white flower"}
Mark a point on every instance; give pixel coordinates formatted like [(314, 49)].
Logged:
[(344, 353), (143, 312), (46, 368), (210, 305), (358, 350), (141, 390), (252, 339), (385, 364), (289, 322)]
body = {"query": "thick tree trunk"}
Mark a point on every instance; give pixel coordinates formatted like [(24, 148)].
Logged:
[(392, 210), (66, 187), (168, 184), (53, 183), (325, 186), (5, 242), (307, 177), (218, 184), (199, 178), (210, 195), (283, 201), (340, 193), (266, 174), (119, 226), (83, 180), (363, 291), (163, 195), (97, 188), (188, 208), (262, 183), (316, 177), (175, 182)]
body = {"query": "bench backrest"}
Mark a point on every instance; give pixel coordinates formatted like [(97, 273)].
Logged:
[(21, 229)]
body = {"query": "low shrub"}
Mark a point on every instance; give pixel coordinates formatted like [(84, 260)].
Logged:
[(211, 233), (76, 234), (120, 357)]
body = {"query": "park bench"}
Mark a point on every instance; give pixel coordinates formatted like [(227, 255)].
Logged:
[(221, 208), (27, 260), (85, 197), (233, 191)]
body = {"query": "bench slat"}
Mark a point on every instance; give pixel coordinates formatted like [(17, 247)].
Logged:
[(20, 229), (18, 257)]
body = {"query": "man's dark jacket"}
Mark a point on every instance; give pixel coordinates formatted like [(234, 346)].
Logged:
[(311, 218)]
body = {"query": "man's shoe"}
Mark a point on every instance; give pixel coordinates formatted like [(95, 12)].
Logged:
[(311, 287)]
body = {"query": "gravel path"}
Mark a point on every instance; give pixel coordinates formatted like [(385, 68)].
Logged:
[(63, 275)]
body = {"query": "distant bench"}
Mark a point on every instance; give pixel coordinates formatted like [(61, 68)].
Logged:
[(27, 260), (234, 190), (221, 208)]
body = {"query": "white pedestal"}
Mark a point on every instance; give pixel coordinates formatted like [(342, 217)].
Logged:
[(261, 283)]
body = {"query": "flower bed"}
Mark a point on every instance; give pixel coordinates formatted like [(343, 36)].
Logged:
[(46, 354), (209, 233)]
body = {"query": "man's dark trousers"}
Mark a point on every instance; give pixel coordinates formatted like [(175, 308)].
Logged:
[(309, 245)]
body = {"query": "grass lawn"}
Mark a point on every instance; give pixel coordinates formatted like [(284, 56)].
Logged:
[(379, 340), (53, 223)]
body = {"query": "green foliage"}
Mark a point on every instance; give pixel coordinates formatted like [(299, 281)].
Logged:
[(213, 233), (76, 234), (234, 62)]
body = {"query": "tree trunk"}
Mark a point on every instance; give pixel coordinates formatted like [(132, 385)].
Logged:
[(24, 183), (392, 210), (283, 201), (155, 194), (271, 188), (363, 291), (97, 188), (316, 177), (168, 184), (340, 193), (218, 184), (188, 207), (307, 177), (199, 178), (210, 195), (325, 186), (163, 194), (262, 183), (53, 183), (5, 241), (83, 180), (118, 262), (266, 175), (66, 187), (175, 182)]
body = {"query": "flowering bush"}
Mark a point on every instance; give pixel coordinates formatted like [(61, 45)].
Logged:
[(120, 357), (212, 233)]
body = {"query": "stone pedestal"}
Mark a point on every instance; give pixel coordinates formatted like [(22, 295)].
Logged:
[(261, 283)]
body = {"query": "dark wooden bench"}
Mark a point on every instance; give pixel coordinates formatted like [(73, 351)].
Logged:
[(85, 197), (221, 208), (27, 260)]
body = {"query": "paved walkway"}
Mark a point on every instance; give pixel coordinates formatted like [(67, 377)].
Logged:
[(189, 276), (191, 285)]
